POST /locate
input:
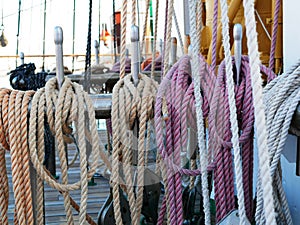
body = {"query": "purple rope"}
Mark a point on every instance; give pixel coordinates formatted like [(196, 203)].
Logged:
[(116, 66), (178, 90), (274, 35), (157, 64), (219, 126), (214, 35)]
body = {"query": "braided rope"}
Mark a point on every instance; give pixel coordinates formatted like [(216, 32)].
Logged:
[(87, 77), (259, 113), (199, 24), (145, 25), (199, 101), (155, 38), (233, 112), (274, 34), (129, 104), (14, 109), (123, 38), (70, 97), (133, 11), (178, 31), (41, 146), (16, 165), (279, 111), (168, 37), (214, 35)]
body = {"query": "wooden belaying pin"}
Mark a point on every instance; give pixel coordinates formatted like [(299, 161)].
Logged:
[(173, 50), (58, 40), (238, 35)]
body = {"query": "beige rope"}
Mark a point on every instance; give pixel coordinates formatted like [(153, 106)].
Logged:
[(4, 191), (13, 137), (168, 37), (65, 108), (129, 104), (25, 156), (123, 38), (145, 25), (155, 38), (133, 12)]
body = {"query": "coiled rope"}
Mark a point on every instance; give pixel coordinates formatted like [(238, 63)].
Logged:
[(130, 104), (13, 137), (281, 98), (63, 108)]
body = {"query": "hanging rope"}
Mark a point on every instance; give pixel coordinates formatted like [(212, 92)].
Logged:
[(145, 25), (130, 103), (214, 35), (123, 38), (195, 42), (168, 28), (13, 137), (63, 108), (281, 97), (87, 77), (178, 31), (259, 112), (233, 113), (274, 34)]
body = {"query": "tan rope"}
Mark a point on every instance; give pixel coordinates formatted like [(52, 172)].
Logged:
[(15, 160), (13, 137), (25, 156), (145, 26), (155, 38), (4, 191), (133, 12), (65, 108), (168, 37), (123, 38), (131, 104)]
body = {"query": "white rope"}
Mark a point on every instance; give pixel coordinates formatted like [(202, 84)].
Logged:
[(259, 112), (199, 101), (178, 31), (281, 97), (233, 116)]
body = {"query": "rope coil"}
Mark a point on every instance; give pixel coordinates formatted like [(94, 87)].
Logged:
[(130, 104)]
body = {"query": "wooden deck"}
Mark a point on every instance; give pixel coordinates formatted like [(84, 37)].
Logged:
[(54, 205)]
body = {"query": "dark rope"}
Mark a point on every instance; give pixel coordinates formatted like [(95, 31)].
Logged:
[(44, 35), (18, 32), (73, 41), (23, 78), (115, 36), (87, 77)]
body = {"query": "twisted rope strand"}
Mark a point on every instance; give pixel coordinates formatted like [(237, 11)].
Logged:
[(199, 101), (260, 121), (123, 38), (274, 34), (233, 112)]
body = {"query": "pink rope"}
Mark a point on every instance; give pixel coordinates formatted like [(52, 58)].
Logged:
[(224, 195), (274, 35), (177, 90)]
